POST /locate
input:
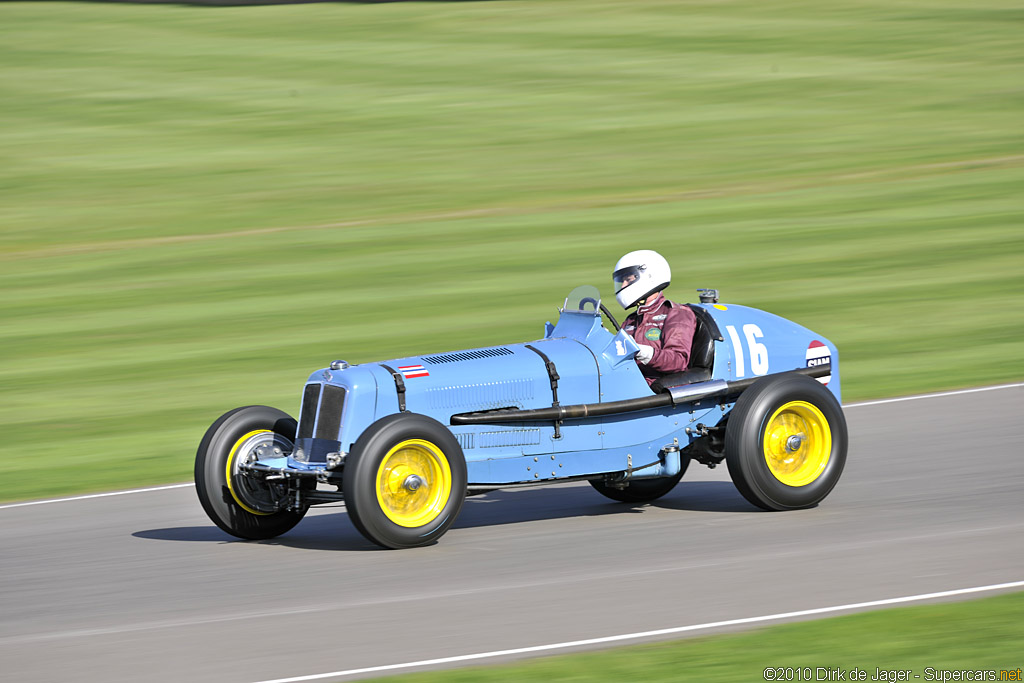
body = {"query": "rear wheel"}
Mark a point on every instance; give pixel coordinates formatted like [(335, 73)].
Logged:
[(785, 442), (641, 490), (405, 481), (245, 506)]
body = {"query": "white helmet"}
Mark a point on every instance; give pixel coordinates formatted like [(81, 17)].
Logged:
[(639, 274)]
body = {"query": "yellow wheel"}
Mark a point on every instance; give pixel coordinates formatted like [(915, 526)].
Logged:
[(404, 481), (785, 442), (797, 443), (241, 504), (414, 481), (247, 449)]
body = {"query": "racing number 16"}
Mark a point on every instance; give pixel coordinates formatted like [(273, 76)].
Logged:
[(758, 351)]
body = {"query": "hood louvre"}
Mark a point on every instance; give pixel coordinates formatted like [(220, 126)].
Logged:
[(466, 355)]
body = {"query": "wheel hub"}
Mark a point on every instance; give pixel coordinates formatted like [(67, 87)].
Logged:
[(254, 494), (797, 443), (414, 482)]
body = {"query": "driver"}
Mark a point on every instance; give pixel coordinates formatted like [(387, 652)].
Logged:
[(661, 328)]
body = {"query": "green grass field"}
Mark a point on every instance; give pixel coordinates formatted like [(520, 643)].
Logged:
[(984, 635), (200, 206)]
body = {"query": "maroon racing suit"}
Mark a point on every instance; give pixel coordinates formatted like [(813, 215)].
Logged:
[(667, 327)]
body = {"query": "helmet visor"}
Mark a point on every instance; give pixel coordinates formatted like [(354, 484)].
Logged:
[(624, 277)]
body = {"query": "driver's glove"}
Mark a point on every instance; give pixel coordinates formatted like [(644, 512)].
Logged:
[(644, 354)]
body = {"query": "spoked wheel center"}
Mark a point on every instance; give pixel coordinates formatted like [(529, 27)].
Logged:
[(249, 491)]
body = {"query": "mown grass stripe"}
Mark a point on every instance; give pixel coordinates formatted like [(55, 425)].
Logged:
[(201, 207)]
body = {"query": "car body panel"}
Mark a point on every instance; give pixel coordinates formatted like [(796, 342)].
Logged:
[(787, 345), (593, 366)]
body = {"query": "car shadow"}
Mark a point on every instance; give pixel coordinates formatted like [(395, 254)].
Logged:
[(335, 531), (706, 496), (512, 506), (315, 532)]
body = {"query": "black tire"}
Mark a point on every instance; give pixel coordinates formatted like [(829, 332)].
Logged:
[(235, 504), (641, 490), (378, 475), (785, 442)]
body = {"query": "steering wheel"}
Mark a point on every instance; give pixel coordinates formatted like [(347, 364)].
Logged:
[(604, 309), (611, 318)]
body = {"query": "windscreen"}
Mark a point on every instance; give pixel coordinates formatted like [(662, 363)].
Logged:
[(584, 298)]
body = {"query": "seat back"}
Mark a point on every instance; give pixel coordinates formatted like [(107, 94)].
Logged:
[(702, 353)]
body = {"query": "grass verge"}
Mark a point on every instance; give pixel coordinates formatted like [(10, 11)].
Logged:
[(200, 206), (929, 642)]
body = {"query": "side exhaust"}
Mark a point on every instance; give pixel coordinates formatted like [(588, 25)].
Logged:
[(722, 391)]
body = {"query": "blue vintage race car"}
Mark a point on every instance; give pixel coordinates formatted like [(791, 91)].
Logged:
[(404, 441)]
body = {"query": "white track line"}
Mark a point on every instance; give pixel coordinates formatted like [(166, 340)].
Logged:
[(937, 395), (650, 634), (94, 495), (849, 405)]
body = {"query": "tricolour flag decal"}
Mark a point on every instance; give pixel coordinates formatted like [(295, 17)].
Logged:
[(410, 371), (818, 354)]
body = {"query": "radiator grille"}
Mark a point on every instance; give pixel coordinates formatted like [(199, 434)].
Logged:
[(331, 405), (310, 399)]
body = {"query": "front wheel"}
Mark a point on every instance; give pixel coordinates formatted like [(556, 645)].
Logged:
[(242, 505), (405, 481), (785, 442)]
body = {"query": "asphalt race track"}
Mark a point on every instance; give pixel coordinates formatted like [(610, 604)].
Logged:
[(144, 587)]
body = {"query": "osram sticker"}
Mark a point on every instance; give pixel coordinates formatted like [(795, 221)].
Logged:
[(818, 354)]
